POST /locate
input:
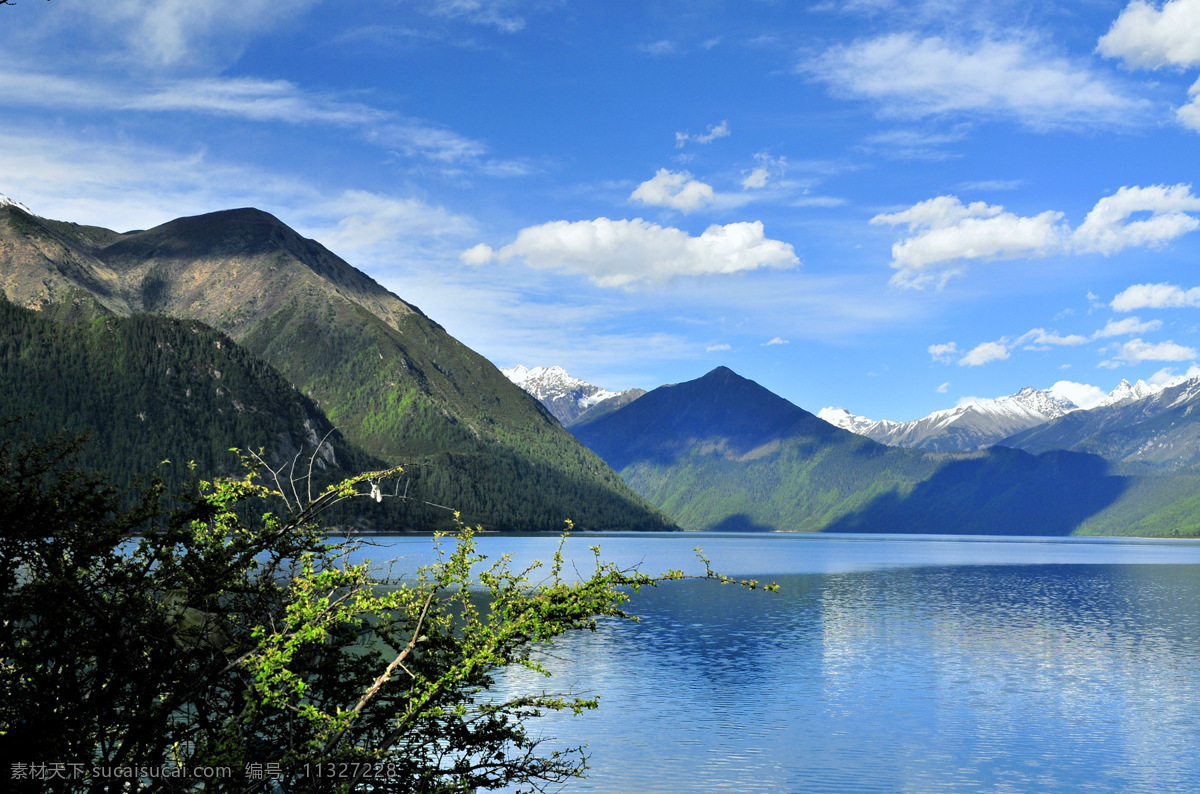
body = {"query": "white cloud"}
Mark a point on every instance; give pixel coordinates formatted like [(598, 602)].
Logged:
[(370, 225), (943, 353), (1155, 296), (1107, 229), (913, 144), (477, 256), (1146, 37), (984, 354), (258, 101), (712, 348), (1135, 351), (1189, 114), (659, 48), (914, 77), (756, 178), (768, 167), (674, 189), (714, 132), (1166, 376), (627, 253), (170, 32), (1041, 339), (1127, 327), (481, 12), (775, 341), (1082, 394), (946, 232), (945, 387)]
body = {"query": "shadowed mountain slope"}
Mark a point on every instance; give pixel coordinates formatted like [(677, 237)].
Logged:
[(154, 389)]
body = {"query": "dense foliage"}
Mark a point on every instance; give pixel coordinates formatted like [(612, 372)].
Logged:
[(229, 636)]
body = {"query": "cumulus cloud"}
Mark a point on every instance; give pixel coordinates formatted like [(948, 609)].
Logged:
[(1107, 228), (714, 132), (919, 77), (477, 256), (1189, 114), (945, 232), (674, 189), (776, 341), (1135, 351), (943, 353), (628, 253), (1145, 37), (1166, 376), (1155, 296), (984, 354), (1127, 327), (1082, 394)]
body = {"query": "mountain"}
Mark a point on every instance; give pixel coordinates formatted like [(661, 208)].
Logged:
[(154, 388), (722, 452), (973, 425), (569, 399), (606, 407), (1139, 424), (390, 378)]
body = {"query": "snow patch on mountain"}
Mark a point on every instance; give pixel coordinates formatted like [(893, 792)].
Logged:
[(5, 201)]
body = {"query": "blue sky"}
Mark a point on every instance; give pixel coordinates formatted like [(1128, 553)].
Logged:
[(877, 205)]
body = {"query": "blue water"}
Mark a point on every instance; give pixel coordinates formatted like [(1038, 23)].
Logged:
[(885, 664)]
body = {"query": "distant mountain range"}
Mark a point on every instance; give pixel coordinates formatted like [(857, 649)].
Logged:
[(396, 385), (974, 425), (1152, 426), (571, 400), (722, 452), (978, 423)]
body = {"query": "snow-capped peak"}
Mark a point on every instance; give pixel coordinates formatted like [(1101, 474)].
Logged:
[(1127, 392), (550, 382), (5, 201), (564, 396)]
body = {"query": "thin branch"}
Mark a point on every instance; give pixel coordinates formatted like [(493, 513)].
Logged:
[(391, 668), (312, 458)]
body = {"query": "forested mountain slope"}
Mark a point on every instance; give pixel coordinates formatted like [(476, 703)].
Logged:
[(154, 389), (391, 379)]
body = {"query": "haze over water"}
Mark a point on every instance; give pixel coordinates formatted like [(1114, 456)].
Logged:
[(891, 664)]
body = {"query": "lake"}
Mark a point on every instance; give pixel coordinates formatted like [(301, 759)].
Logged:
[(885, 664)]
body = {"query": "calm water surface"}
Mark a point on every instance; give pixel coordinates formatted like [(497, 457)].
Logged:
[(886, 664)]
